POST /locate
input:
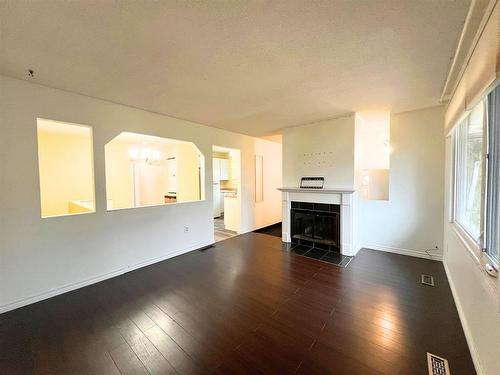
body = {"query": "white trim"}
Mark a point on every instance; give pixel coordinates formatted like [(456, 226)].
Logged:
[(60, 290), (467, 241), (477, 256), (319, 191), (471, 48), (465, 326), (168, 256), (408, 252), (458, 49), (80, 284)]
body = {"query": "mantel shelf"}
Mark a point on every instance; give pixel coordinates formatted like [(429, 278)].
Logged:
[(318, 191)]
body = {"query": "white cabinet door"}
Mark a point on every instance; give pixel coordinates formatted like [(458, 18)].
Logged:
[(216, 169), (224, 169)]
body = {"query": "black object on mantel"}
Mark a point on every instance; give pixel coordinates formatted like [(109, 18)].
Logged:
[(312, 182)]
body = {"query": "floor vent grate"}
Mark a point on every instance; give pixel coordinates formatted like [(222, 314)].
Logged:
[(437, 365), (427, 280)]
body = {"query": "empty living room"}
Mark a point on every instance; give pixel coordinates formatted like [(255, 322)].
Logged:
[(250, 187)]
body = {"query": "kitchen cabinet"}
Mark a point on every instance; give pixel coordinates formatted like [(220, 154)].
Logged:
[(216, 170), (221, 169), (224, 169)]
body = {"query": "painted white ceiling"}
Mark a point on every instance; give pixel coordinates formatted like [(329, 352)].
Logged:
[(248, 66)]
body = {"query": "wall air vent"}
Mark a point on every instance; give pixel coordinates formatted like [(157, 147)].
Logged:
[(427, 280), (437, 365)]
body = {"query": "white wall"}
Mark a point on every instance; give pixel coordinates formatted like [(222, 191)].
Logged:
[(188, 173), (323, 148), (476, 294), (411, 221), (119, 175), (270, 207), (372, 133), (372, 138), (62, 253)]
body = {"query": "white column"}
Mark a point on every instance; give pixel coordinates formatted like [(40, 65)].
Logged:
[(347, 225), (286, 206)]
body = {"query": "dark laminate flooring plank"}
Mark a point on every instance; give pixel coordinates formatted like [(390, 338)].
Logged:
[(204, 356), (245, 305), (179, 359), (150, 357), (127, 361)]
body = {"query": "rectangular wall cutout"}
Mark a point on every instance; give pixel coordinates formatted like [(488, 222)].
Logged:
[(66, 168), (144, 170)]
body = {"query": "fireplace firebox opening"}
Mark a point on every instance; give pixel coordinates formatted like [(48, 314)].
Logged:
[(316, 225)]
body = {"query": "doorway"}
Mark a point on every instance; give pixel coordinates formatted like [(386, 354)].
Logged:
[(226, 183)]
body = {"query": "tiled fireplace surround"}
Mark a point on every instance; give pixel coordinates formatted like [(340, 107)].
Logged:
[(342, 197)]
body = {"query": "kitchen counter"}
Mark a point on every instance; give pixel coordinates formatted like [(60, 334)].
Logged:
[(232, 211), (229, 193)]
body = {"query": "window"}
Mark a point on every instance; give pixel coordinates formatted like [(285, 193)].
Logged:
[(469, 172), (144, 170), (492, 237), (66, 171), (477, 176)]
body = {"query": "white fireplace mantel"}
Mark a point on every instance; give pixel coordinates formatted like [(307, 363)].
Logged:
[(320, 191), (342, 197)]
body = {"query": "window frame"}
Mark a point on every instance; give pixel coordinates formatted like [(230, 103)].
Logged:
[(475, 247), (494, 262), (456, 175)]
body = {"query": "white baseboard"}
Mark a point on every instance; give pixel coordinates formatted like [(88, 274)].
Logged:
[(398, 250), (465, 326), (80, 284), (168, 256)]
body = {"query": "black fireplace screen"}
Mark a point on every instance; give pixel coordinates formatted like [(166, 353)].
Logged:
[(316, 224)]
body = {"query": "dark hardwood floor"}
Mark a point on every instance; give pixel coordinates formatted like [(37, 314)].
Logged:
[(244, 306), (272, 230)]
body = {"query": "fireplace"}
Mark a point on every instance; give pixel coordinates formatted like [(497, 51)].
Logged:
[(338, 206), (316, 225)]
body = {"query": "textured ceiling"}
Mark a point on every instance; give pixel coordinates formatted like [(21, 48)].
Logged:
[(248, 66)]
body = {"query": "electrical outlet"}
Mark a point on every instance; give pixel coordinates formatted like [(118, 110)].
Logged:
[(186, 229)]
